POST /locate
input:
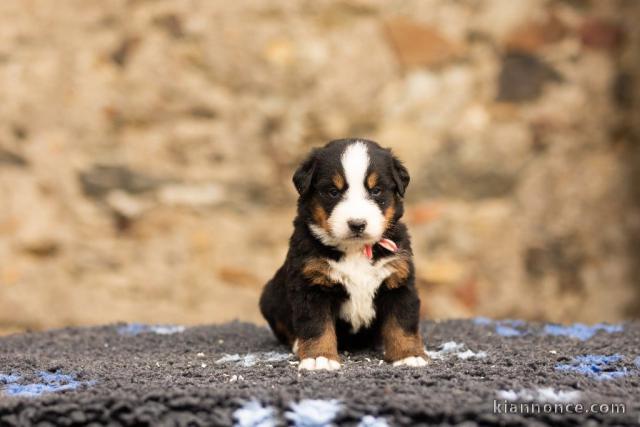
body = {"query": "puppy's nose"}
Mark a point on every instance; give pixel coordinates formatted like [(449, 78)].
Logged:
[(357, 225)]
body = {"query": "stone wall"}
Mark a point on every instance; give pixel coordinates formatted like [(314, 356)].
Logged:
[(146, 150)]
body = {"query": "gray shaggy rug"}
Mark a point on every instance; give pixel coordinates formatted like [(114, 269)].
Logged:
[(482, 372)]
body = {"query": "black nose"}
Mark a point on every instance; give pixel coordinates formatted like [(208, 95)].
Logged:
[(357, 225)]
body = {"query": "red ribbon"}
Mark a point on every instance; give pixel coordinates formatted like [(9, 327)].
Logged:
[(388, 244)]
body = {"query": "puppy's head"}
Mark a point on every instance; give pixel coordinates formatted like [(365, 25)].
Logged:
[(350, 192)]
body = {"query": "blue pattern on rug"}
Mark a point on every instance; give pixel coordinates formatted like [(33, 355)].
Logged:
[(516, 328), (8, 378), (596, 366), (505, 328), (251, 359), (306, 413), (253, 414), (580, 330), (133, 329), (371, 421), (482, 321), (313, 412), (51, 382), (507, 331)]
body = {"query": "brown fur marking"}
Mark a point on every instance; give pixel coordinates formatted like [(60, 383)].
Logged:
[(372, 180), (320, 217), (325, 345), (338, 181), (398, 343), (317, 270), (401, 269), (388, 215)]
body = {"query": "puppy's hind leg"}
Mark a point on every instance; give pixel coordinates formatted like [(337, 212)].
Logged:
[(276, 310)]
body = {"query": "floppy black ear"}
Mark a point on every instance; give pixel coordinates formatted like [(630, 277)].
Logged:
[(304, 174), (400, 175)]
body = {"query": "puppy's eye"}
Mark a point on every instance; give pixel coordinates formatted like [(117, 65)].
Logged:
[(333, 192), (376, 191)]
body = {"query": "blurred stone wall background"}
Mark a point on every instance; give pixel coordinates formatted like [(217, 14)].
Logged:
[(146, 149)]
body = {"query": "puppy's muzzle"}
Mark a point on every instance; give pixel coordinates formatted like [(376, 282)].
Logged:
[(357, 226)]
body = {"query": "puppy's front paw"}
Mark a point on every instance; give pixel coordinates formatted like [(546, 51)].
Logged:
[(413, 361), (319, 363)]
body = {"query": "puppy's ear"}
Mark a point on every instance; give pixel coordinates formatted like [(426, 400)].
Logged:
[(304, 174), (400, 175)]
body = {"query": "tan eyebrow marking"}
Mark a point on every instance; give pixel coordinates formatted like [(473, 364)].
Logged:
[(372, 180), (338, 181)]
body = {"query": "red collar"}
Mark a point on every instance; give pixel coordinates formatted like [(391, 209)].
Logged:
[(388, 244)]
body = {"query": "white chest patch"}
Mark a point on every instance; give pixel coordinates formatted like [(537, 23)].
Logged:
[(362, 279)]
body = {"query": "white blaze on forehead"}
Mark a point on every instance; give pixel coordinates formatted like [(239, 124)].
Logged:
[(355, 162), (356, 203)]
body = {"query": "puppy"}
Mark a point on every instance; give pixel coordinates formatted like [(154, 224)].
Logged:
[(348, 278)]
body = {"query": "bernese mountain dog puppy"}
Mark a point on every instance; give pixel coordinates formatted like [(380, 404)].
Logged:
[(348, 278)]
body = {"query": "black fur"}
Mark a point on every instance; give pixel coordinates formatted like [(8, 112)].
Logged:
[(295, 308)]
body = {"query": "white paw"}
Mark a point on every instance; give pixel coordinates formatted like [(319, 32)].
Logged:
[(319, 363), (413, 361)]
